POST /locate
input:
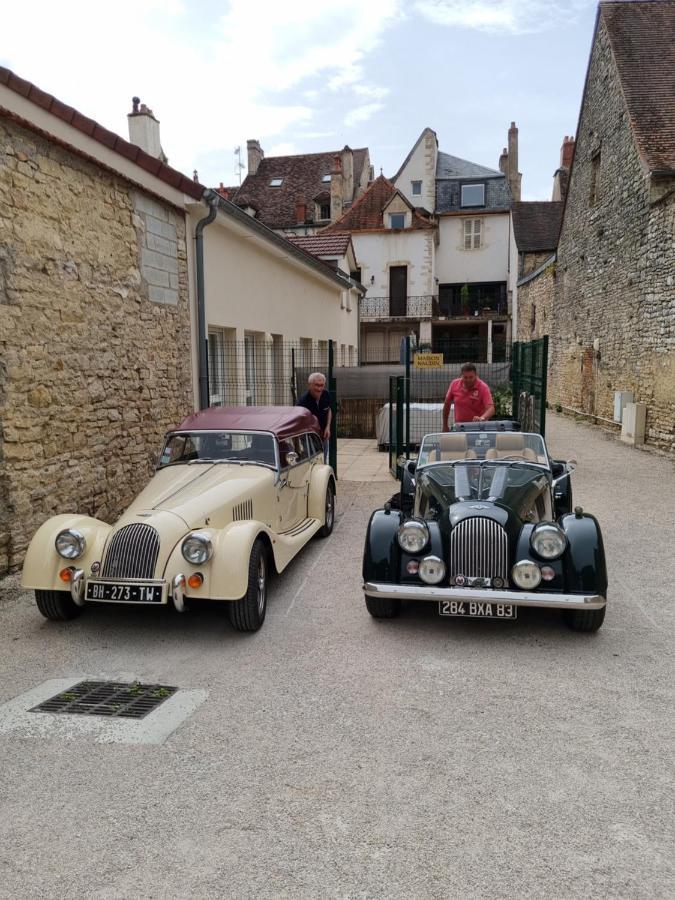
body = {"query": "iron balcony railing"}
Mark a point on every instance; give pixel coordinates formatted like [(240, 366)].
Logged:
[(390, 308)]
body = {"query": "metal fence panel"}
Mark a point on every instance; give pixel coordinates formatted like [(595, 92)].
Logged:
[(530, 362)]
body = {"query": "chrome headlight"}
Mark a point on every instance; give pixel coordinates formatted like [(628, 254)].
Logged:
[(70, 544), (431, 570), (197, 548), (548, 541), (526, 574), (413, 536)]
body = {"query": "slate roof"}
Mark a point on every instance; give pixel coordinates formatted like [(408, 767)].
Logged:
[(448, 166), (536, 225), (322, 244), (366, 213), (449, 195), (101, 135), (301, 178), (642, 37)]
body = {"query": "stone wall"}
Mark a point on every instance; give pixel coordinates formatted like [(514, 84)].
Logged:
[(613, 320), (535, 304), (92, 370)]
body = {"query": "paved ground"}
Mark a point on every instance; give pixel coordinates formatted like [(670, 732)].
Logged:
[(336, 756), (360, 460)]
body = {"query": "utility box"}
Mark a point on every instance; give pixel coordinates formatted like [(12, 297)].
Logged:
[(621, 399), (633, 425)]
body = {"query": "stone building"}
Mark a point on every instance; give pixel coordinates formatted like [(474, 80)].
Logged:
[(536, 227), (95, 356), (613, 313)]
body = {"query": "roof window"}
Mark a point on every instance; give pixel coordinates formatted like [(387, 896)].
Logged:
[(276, 182), (325, 178), (473, 195)]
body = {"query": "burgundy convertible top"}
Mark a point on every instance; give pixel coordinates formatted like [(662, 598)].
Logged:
[(283, 421)]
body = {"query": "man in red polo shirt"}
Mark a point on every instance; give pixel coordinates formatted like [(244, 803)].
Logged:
[(471, 396)]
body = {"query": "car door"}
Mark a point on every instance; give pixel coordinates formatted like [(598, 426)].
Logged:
[(293, 485)]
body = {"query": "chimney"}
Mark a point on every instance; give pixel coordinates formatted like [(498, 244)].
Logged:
[(336, 202), (504, 161), (513, 176), (144, 129), (255, 156), (567, 152), (300, 211), (347, 174)]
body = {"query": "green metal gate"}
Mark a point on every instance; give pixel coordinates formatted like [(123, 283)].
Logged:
[(529, 368)]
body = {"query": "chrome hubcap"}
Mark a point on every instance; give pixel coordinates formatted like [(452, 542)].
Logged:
[(261, 580)]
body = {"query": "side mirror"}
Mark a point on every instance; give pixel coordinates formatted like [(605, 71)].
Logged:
[(411, 465), (570, 466), (291, 458)]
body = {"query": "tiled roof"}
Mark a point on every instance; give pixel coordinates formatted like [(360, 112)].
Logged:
[(301, 179), (536, 225), (100, 134), (448, 166), (366, 214), (642, 36), (322, 244), (449, 194)]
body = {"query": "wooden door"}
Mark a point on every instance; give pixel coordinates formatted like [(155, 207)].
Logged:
[(398, 290)]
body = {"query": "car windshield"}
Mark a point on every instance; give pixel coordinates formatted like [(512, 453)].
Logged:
[(489, 445), (519, 486), (218, 447)]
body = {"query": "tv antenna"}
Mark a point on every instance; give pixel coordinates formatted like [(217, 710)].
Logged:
[(238, 164)]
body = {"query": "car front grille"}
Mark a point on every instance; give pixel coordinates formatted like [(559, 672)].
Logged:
[(479, 549), (132, 553)]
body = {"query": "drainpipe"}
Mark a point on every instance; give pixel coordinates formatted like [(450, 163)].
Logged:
[(202, 343)]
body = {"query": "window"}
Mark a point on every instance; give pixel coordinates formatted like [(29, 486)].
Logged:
[(216, 368), (473, 195), (324, 211), (473, 233), (315, 445), (276, 182), (595, 173), (397, 220), (325, 178), (416, 187), (356, 275)]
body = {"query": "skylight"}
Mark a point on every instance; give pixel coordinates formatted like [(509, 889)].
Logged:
[(276, 182), (325, 178)]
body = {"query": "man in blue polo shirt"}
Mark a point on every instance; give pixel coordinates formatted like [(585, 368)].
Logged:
[(317, 400)]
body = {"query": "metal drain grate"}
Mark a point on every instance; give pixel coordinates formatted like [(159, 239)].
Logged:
[(108, 698)]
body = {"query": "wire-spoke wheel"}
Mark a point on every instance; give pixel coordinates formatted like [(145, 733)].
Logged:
[(248, 614), (329, 512)]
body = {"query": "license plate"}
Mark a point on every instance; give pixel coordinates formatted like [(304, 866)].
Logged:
[(124, 593), (477, 610)]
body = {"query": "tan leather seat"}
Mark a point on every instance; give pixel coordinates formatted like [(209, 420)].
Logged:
[(509, 443), (453, 446)]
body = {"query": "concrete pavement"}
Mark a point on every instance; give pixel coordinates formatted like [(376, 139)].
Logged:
[(337, 756)]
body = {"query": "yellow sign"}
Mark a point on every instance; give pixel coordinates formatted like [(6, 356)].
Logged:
[(428, 361)]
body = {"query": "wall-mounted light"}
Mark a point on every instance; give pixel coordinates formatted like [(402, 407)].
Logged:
[(372, 279)]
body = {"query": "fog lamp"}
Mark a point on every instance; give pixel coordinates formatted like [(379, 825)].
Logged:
[(526, 574), (432, 570)]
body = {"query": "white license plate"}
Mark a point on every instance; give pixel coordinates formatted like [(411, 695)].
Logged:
[(106, 592), (477, 609)]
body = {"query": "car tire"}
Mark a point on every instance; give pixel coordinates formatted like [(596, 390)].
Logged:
[(585, 619), (248, 614), (58, 606), (329, 512), (383, 607)]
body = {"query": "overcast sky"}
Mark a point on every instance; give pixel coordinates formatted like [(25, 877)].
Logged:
[(313, 75)]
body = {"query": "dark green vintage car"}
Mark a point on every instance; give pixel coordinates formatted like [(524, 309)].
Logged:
[(484, 524)]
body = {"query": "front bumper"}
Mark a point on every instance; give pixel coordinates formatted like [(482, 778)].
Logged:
[(517, 598), (175, 590)]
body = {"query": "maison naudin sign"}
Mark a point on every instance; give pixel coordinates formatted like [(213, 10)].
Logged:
[(428, 361)]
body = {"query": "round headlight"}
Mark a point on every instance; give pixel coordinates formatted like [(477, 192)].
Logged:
[(413, 536), (432, 570), (70, 543), (526, 574), (548, 541), (197, 548)]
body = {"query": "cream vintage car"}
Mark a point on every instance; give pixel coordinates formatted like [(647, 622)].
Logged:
[(237, 491)]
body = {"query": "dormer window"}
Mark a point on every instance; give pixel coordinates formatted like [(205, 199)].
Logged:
[(473, 195), (325, 178), (323, 211), (397, 220), (276, 182), (416, 188)]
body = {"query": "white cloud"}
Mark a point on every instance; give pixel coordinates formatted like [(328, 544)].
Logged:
[(285, 148), (510, 16), (212, 84), (362, 113)]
